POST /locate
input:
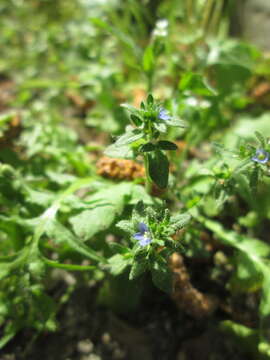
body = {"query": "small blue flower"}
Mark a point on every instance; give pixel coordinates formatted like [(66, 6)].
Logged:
[(261, 156), (164, 114), (144, 235)]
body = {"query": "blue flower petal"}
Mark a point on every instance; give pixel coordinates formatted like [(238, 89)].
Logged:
[(139, 236), (145, 241), (143, 236), (164, 114), (261, 156), (143, 228)]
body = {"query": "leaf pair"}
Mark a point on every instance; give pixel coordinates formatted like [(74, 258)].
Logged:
[(162, 145)]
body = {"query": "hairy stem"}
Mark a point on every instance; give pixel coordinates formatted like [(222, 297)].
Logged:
[(148, 182)]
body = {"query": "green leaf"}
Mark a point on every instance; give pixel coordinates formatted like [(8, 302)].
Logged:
[(134, 111), (136, 120), (247, 339), (245, 128), (260, 138), (149, 61), (160, 127), (233, 53), (60, 178), (241, 166), (9, 332), (124, 152), (129, 137), (118, 264), (227, 76), (232, 63), (138, 268), (61, 234), (264, 308), (195, 83), (43, 221), (101, 217), (126, 226), (147, 147), (139, 193), (247, 277), (150, 99), (161, 275), (254, 248), (39, 198), (256, 258), (158, 167), (176, 122), (178, 221), (126, 40), (119, 248), (254, 178), (6, 267), (244, 337), (167, 145)]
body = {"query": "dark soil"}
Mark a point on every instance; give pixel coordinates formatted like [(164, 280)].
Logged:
[(157, 330)]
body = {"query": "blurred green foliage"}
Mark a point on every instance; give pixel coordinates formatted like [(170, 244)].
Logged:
[(65, 69)]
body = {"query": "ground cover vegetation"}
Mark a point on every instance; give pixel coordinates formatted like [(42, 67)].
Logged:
[(134, 177)]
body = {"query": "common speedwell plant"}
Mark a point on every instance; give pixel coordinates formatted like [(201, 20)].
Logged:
[(148, 244), (150, 229), (144, 138), (252, 165)]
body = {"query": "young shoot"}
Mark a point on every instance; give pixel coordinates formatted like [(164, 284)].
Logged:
[(144, 138)]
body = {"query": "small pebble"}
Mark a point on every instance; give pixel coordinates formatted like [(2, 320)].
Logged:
[(118, 354), (106, 338), (85, 346), (8, 357), (91, 357)]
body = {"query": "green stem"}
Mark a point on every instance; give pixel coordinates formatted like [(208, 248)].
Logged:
[(216, 18), (207, 16), (189, 11), (148, 182), (149, 82)]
